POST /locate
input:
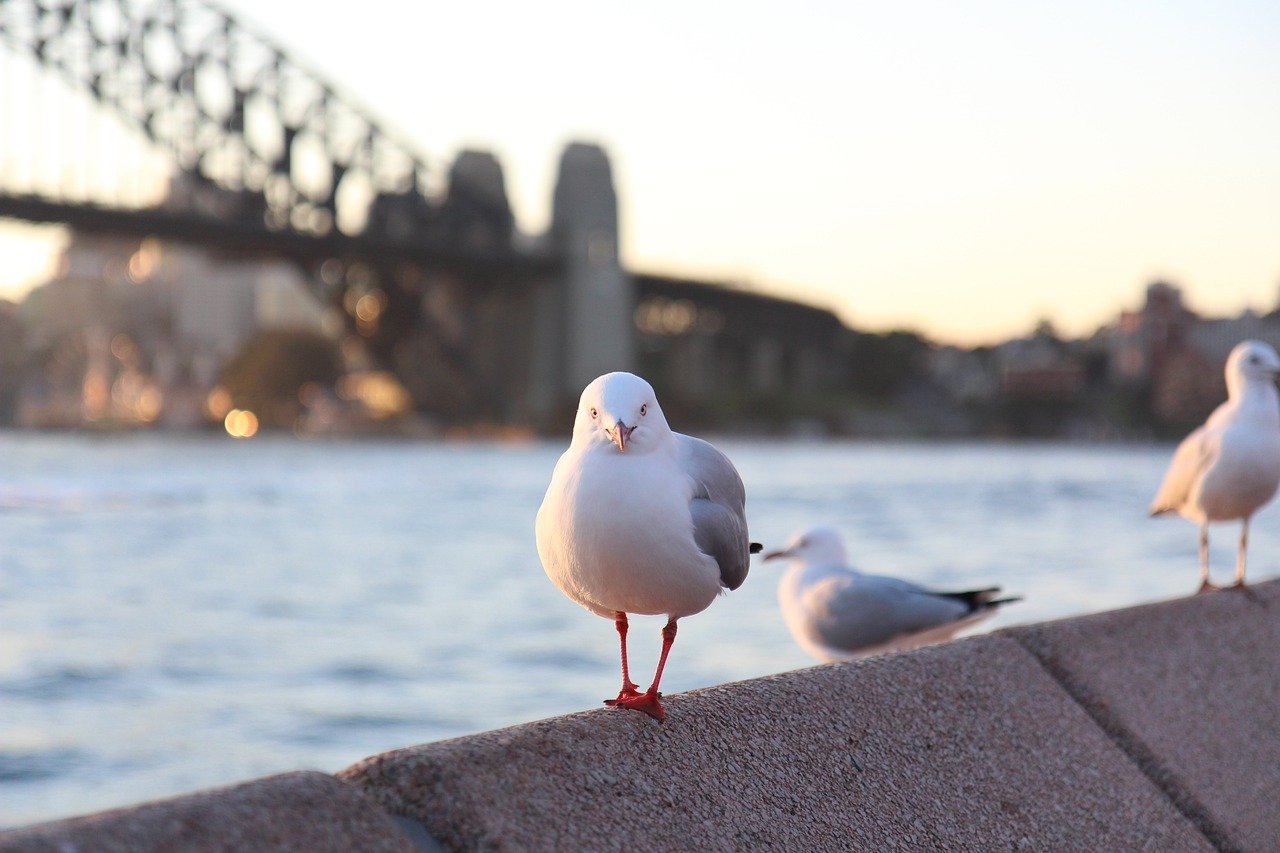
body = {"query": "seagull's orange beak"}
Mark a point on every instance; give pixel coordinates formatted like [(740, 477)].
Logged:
[(620, 435)]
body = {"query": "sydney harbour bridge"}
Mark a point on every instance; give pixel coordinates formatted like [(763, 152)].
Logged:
[(171, 120)]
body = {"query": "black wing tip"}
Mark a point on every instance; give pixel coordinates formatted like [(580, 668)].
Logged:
[(755, 547), (982, 599)]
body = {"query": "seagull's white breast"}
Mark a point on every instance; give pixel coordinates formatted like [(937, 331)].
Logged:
[(797, 602), (615, 534), (1243, 477)]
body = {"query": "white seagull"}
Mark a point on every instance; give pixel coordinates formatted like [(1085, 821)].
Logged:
[(1229, 467), (837, 613), (640, 519)]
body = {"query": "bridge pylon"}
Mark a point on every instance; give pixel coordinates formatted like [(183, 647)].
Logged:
[(584, 322)]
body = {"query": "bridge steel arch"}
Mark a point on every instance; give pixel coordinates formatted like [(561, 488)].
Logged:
[(231, 107)]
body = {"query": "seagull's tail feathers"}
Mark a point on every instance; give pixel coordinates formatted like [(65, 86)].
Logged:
[(982, 599)]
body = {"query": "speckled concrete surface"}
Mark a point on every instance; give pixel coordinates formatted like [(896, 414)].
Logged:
[(302, 811), (966, 746), (1191, 690), (1153, 728)]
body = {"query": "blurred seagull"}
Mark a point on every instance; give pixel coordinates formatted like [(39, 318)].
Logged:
[(1229, 467), (640, 519), (837, 613)]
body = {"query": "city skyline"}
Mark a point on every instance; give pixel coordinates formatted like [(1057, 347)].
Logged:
[(963, 173)]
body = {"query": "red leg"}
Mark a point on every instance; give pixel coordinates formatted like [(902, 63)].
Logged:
[(649, 700), (629, 688)]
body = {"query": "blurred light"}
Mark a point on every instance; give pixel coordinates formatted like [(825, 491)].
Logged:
[(144, 261), (369, 307), (122, 346), (150, 402), (96, 394), (380, 392), (679, 316), (661, 316), (241, 423), (319, 221), (218, 403)]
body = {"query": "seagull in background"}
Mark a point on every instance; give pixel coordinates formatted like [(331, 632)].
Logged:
[(1229, 467), (640, 519), (837, 613)]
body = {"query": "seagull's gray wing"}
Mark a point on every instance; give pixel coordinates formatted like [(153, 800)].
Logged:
[(718, 508), (850, 611), (1194, 456)]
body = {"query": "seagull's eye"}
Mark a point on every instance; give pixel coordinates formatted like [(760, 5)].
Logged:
[(594, 414), (1253, 359), (644, 407)]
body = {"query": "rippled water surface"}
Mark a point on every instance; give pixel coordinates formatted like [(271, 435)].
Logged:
[(182, 612)]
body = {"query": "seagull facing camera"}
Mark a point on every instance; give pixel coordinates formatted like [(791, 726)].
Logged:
[(640, 519)]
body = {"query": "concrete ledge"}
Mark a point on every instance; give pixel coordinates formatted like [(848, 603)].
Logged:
[(966, 746), (1190, 689), (303, 811), (1156, 728)]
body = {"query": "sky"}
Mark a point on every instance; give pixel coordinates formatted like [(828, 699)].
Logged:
[(961, 169)]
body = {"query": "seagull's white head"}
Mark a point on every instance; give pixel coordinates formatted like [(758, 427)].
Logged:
[(1251, 361), (621, 409), (817, 546)]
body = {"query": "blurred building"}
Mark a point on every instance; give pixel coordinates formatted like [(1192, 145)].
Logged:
[(1176, 356), (968, 376), (1142, 340), (1040, 367), (131, 331)]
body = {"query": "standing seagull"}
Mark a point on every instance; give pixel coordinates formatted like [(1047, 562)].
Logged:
[(1229, 467), (640, 519), (837, 613)]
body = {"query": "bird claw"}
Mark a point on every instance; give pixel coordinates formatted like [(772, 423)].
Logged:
[(1207, 586), (628, 691), (647, 702)]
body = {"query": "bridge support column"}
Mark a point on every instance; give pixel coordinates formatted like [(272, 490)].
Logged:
[(585, 321)]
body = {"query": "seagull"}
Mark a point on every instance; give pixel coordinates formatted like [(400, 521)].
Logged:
[(640, 519), (1229, 467), (837, 613)]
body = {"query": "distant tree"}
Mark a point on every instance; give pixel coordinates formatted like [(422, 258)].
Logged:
[(1046, 329), (273, 366), (880, 366)]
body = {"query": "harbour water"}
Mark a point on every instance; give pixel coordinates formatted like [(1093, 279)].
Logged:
[(183, 612)]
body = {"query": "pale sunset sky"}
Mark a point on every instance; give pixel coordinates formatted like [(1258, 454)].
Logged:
[(961, 169)]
